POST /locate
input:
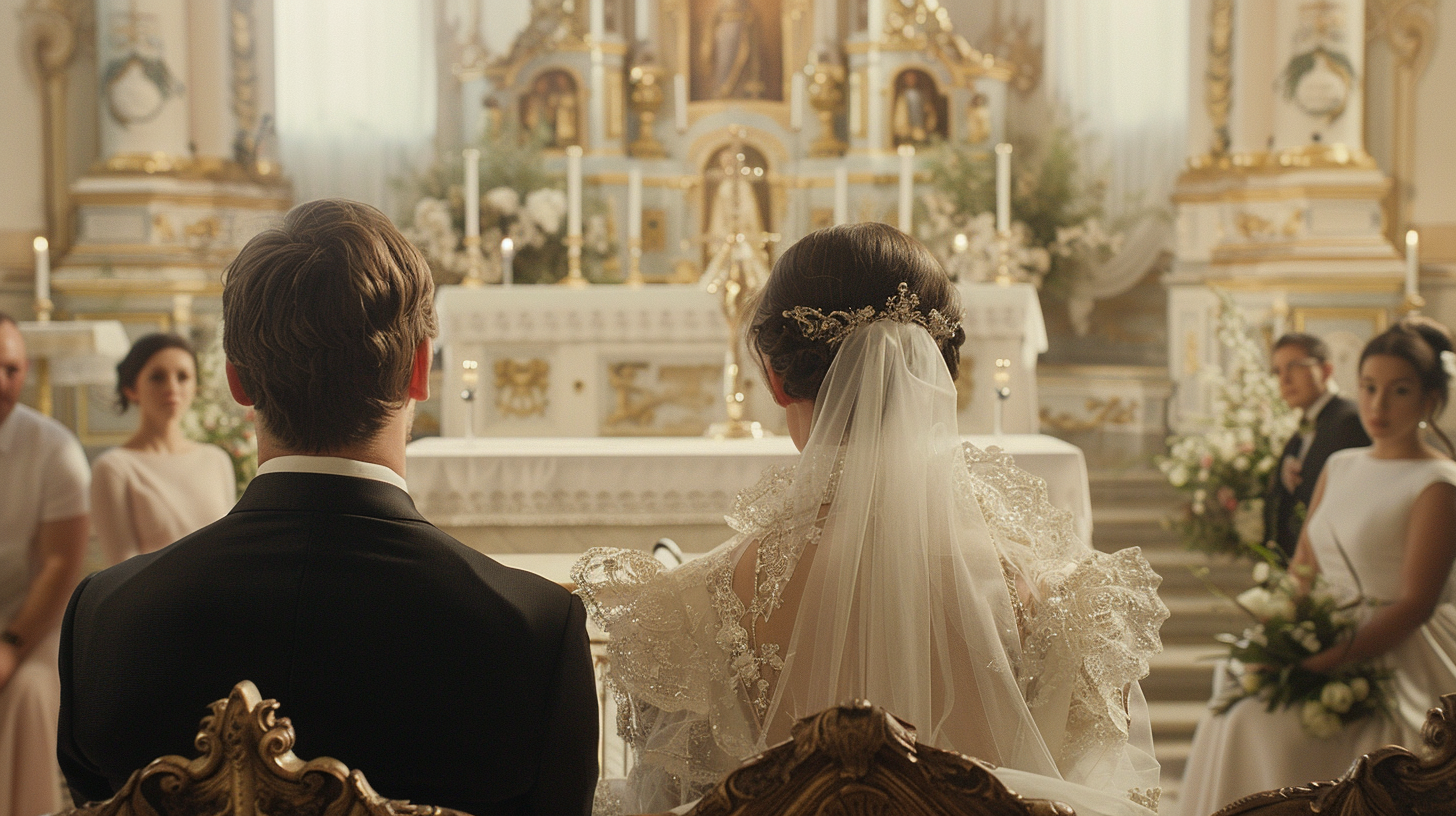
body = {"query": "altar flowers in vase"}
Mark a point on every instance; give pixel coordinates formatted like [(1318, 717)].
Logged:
[(1223, 467)]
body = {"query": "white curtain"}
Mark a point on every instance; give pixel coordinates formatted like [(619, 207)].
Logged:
[(1121, 68), (356, 95)]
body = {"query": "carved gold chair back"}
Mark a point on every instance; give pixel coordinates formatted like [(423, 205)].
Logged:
[(860, 759), (248, 768), (1392, 780)]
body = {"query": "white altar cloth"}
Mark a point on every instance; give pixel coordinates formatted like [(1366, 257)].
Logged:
[(652, 481), (619, 361)]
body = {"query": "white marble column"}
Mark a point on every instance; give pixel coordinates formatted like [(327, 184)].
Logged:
[(142, 49), (1251, 113), (210, 59), (1327, 106)]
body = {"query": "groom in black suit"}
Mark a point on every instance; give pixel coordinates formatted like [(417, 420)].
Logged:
[(447, 678), (1328, 423)]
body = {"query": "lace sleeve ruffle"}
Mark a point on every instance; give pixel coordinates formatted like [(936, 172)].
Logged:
[(1093, 622)]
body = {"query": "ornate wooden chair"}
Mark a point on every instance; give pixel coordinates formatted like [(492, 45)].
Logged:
[(1391, 780), (859, 759), (247, 768)]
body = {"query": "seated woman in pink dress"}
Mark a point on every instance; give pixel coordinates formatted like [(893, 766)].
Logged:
[(159, 486)]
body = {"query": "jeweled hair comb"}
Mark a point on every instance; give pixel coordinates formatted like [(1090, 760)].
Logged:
[(904, 307)]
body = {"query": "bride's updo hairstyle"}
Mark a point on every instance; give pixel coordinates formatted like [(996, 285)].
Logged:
[(844, 268), (1427, 346)]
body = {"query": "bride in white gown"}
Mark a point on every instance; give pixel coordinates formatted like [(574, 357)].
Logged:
[(1382, 525), (891, 563)]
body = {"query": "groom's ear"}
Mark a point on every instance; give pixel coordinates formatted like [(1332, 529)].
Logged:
[(776, 385)]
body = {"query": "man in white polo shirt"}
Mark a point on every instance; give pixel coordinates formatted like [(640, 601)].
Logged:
[(44, 482)]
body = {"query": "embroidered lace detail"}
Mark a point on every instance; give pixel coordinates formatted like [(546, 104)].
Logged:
[(1094, 612), (904, 307), (1147, 797)]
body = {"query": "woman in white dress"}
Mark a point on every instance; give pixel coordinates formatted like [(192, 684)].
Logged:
[(1382, 525), (892, 563), (159, 486)]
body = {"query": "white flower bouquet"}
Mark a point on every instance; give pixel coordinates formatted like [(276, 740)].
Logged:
[(1289, 626), (1225, 467), (215, 418)]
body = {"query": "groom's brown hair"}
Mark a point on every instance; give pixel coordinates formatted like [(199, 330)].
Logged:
[(321, 318)]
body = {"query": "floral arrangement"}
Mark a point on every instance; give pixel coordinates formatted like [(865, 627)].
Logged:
[(1058, 228), (521, 201), (1225, 467), (1289, 626), (215, 418)]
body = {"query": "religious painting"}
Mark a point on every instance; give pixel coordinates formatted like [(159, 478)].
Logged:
[(736, 50), (918, 115), (551, 109)]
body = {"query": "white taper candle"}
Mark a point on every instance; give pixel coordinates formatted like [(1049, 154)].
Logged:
[(634, 204), (796, 101), (1412, 262), (42, 268), (680, 101), (1003, 187), (907, 185), (573, 190), (472, 192)]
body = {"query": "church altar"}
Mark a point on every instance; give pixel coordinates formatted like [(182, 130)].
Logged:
[(564, 495), (552, 361)]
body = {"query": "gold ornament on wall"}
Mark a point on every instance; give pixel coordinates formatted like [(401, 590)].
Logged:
[(647, 98), (1219, 76), (521, 387)]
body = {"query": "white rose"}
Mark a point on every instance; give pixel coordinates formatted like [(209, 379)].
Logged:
[(1360, 688), (1261, 572), (1257, 601), (546, 207), (1319, 721), (1337, 697), (1178, 476), (1241, 463), (503, 200), (1311, 643), (1249, 681)]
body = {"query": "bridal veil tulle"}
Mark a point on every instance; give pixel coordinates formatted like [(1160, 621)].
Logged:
[(908, 569)]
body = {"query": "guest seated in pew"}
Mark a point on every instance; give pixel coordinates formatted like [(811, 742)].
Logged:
[(891, 563), (323, 585), (43, 525), (159, 485)]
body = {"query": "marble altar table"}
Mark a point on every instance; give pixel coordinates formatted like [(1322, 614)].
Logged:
[(564, 495), (620, 361)]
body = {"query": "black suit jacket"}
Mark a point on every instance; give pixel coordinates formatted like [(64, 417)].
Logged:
[(1337, 427), (447, 678)]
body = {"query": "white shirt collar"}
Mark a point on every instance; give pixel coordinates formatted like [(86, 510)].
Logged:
[(1313, 411), (334, 466)]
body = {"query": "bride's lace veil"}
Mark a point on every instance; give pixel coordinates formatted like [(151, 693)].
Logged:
[(905, 602)]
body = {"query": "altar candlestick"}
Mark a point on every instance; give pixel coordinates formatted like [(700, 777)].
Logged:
[(796, 101), (42, 268), (907, 185), (1412, 262), (1003, 187), (841, 195), (573, 190), (508, 255), (472, 192), (639, 21), (634, 204), (680, 101)]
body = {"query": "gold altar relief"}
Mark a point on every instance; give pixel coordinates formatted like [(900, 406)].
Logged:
[(162, 229), (654, 229), (918, 114), (521, 387), (736, 49), (1219, 77), (552, 108), (1256, 227), (1101, 413), (637, 408)]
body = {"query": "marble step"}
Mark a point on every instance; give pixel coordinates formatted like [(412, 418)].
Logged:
[(1182, 673), (1139, 488), (1196, 617)]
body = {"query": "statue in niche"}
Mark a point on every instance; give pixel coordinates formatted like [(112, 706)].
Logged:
[(916, 116), (978, 119), (736, 47), (737, 215), (551, 110)]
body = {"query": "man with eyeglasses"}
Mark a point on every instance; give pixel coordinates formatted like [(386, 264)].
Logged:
[(1330, 422)]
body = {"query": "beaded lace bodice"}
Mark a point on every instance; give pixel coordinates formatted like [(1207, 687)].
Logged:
[(692, 690)]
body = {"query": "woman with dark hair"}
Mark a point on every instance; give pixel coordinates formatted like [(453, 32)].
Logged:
[(159, 486), (1382, 528), (892, 563)]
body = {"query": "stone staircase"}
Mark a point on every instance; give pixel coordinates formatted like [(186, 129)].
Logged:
[(1128, 509)]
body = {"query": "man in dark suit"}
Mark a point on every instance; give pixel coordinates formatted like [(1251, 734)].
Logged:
[(447, 678), (1328, 423)]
